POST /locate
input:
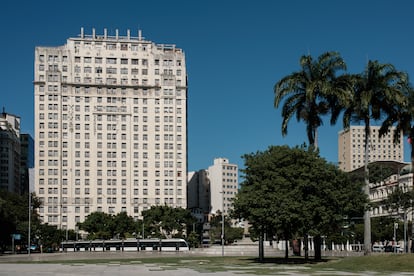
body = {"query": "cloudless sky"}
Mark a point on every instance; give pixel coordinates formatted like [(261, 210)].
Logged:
[(235, 50)]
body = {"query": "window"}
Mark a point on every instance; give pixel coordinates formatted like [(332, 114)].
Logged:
[(111, 46), (111, 70), (124, 46), (111, 61)]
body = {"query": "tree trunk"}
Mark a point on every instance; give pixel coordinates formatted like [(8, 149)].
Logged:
[(367, 214), (318, 244), (286, 249), (305, 246), (412, 170), (261, 247)]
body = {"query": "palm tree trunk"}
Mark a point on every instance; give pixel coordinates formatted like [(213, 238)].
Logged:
[(316, 139), (412, 170), (367, 214)]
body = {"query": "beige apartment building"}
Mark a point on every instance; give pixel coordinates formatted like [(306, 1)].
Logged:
[(110, 126), (223, 185), (351, 148)]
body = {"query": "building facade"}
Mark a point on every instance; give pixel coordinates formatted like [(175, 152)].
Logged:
[(351, 149), (27, 161), (402, 178), (199, 197), (213, 189), (110, 127), (10, 152), (223, 185)]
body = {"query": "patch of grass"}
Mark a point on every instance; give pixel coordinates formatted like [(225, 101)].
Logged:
[(378, 263)]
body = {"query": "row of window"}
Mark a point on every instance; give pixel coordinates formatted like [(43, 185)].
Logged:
[(85, 90), (114, 127), (109, 191), (375, 157), (113, 182), (109, 173), (111, 70), (109, 145), (110, 60), (86, 200), (112, 100), (110, 81), (374, 142), (167, 164), (126, 61)]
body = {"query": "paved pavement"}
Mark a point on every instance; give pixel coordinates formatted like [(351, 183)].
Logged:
[(22, 265), (100, 269)]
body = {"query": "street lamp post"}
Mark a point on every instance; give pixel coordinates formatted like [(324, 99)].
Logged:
[(143, 233), (30, 216), (222, 224), (395, 236)]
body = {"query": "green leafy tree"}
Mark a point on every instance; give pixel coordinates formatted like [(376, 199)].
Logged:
[(375, 92), (14, 217), (166, 221), (99, 225), (383, 229), (231, 234), (312, 92), (124, 225), (378, 173), (48, 237), (193, 240), (293, 192), (399, 202)]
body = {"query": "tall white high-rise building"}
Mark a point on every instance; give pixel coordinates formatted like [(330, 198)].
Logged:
[(351, 147), (110, 126), (223, 185)]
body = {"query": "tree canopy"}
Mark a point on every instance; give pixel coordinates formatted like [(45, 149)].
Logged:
[(292, 192), (312, 92), (165, 221)]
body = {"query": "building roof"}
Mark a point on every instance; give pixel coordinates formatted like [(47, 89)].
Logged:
[(398, 167)]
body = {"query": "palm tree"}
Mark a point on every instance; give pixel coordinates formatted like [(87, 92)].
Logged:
[(311, 93), (375, 92), (402, 116)]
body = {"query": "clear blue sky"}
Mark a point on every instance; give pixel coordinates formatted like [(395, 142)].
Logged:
[(235, 51)]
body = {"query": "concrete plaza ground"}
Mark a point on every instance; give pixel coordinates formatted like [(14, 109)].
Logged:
[(109, 269), (133, 264)]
